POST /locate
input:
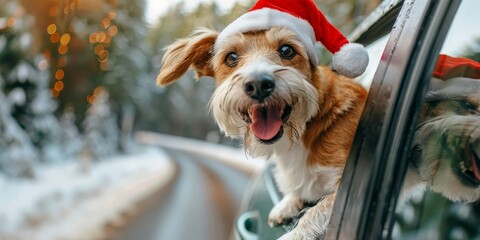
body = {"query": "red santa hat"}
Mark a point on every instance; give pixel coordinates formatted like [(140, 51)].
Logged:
[(450, 67), (453, 77), (305, 19)]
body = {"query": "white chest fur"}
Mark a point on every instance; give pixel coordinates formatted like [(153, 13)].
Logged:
[(294, 175)]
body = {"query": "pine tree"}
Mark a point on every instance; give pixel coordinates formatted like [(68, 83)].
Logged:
[(17, 154), (70, 137), (100, 127), (26, 85), (45, 128)]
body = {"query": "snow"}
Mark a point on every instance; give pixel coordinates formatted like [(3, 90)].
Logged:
[(67, 200)]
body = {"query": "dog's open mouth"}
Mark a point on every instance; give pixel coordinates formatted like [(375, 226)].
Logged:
[(266, 122), (468, 167)]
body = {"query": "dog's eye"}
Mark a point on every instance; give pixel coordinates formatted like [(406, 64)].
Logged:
[(232, 59), (286, 51), (468, 105)]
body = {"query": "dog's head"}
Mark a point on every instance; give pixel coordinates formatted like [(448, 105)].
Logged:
[(448, 139), (265, 89)]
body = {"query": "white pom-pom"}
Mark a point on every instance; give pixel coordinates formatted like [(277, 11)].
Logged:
[(351, 60)]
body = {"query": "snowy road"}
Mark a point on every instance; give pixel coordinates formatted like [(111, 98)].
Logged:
[(201, 203)]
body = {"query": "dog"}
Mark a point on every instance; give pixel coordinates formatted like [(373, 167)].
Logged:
[(267, 93), (445, 157)]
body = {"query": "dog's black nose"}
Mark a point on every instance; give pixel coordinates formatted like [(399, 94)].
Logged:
[(260, 88)]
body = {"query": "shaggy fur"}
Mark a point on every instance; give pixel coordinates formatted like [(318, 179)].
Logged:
[(447, 142), (320, 111)]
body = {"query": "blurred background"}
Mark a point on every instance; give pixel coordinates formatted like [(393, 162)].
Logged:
[(77, 83)]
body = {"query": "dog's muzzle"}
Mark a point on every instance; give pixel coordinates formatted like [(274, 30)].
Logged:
[(260, 87), (469, 166)]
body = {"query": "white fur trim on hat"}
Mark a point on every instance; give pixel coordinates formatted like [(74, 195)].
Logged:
[(351, 60), (266, 18)]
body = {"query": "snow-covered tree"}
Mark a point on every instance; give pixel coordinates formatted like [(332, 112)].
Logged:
[(101, 127), (70, 137), (17, 154), (26, 85), (44, 127)]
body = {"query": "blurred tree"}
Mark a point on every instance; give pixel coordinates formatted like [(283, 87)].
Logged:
[(472, 51), (26, 82), (85, 41), (181, 109), (126, 71), (17, 153), (70, 138), (347, 14), (92, 44), (100, 127)]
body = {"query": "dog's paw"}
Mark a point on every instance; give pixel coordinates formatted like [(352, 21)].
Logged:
[(286, 209), (291, 236), (300, 234)]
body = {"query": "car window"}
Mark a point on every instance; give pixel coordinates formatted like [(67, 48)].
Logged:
[(375, 51), (441, 190)]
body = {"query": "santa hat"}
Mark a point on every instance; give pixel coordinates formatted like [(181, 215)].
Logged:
[(450, 67), (453, 77), (309, 24)]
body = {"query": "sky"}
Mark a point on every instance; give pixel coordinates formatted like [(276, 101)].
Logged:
[(464, 28), (155, 8)]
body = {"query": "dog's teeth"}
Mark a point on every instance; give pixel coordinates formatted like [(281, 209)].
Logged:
[(462, 166)]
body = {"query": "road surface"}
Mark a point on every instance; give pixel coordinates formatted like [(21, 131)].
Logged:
[(201, 203)]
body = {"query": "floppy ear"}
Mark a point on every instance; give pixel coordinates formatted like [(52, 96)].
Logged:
[(194, 51)]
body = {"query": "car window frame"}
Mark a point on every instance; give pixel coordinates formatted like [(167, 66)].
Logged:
[(373, 176)]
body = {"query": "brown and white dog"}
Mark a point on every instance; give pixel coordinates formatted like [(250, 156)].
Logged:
[(267, 92), (270, 93), (446, 153)]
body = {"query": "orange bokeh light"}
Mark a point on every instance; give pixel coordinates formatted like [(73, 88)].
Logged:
[(100, 37), (112, 30), (106, 22), (65, 39), (55, 93), (59, 74), (98, 49), (54, 38), (92, 37), (51, 29), (62, 49), (59, 86), (112, 15)]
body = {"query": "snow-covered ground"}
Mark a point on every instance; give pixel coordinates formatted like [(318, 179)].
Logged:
[(67, 202)]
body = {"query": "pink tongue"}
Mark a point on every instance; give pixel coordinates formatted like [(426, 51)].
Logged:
[(266, 122), (476, 172)]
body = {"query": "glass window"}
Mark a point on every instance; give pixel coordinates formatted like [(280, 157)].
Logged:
[(375, 51), (444, 167)]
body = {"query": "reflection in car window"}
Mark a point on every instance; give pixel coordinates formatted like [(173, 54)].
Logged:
[(444, 167)]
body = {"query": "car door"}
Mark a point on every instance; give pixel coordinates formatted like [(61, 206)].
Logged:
[(373, 177)]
